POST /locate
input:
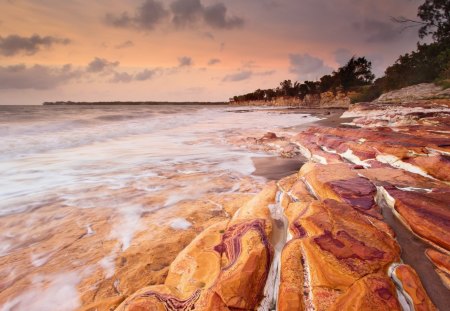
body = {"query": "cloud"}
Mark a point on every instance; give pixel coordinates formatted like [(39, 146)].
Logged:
[(378, 31), (125, 77), (213, 61), (208, 35), (342, 56), (14, 44), (121, 77), (239, 76), (101, 65), (265, 73), (308, 67), (182, 13), (40, 77), (184, 61), (216, 17), (144, 75), (37, 77), (186, 12), (124, 45), (146, 17)]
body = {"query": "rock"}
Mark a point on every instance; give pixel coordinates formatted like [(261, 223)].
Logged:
[(442, 264), (373, 292), (270, 135), (196, 268), (415, 92), (290, 295), (426, 214), (341, 183), (223, 268), (411, 288)]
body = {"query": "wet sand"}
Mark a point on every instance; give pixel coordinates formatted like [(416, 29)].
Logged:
[(275, 168)]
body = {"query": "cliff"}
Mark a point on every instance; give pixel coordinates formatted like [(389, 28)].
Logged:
[(323, 100)]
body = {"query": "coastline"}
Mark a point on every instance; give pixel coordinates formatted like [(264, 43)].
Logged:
[(278, 167), (335, 214)]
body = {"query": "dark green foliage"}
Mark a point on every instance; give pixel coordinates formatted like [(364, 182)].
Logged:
[(356, 72), (435, 15)]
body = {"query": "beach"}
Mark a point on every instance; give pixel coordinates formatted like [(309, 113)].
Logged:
[(96, 202)]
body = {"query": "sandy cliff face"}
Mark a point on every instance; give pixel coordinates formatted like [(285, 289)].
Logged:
[(323, 100)]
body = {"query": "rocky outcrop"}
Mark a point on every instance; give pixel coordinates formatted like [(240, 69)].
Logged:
[(415, 92), (224, 268), (331, 236)]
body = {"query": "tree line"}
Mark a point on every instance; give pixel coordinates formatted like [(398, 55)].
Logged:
[(430, 62), (357, 72)]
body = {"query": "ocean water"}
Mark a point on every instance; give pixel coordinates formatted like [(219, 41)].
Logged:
[(61, 163)]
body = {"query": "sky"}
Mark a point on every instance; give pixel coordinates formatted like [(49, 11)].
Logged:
[(187, 50)]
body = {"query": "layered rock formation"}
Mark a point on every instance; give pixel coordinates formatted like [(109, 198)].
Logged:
[(364, 225)]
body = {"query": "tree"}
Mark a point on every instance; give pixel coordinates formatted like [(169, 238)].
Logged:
[(435, 15), (286, 87), (327, 83), (357, 72)]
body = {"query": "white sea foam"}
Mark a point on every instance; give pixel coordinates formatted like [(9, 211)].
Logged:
[(59, 160), (61, 292), (180, 224)]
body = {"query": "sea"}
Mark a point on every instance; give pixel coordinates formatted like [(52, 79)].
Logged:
[(62, 166)]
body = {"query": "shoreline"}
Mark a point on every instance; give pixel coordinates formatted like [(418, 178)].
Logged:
[(277, 167)]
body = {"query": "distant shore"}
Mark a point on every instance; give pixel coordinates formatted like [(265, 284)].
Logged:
[(149, 103)]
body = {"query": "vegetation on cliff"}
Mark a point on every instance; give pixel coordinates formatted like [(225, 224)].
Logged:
[(356, 73)]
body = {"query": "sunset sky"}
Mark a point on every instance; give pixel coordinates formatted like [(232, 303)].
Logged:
[(186, 50)]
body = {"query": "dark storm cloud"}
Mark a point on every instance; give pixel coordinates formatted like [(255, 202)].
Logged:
[(184, 61), (213, 61), (147, 16), (239, 76), (308, 67), (36, 77), (183, 13), (101, 65), (14, 44)]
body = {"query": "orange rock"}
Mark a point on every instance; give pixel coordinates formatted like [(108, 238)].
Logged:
[(196, 268), (290, 295), (410, 285), (442, 263), (337, 246), (374, 292), (246, 259), (427, 214), (387, 176), (341, 183), (436, 166)]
